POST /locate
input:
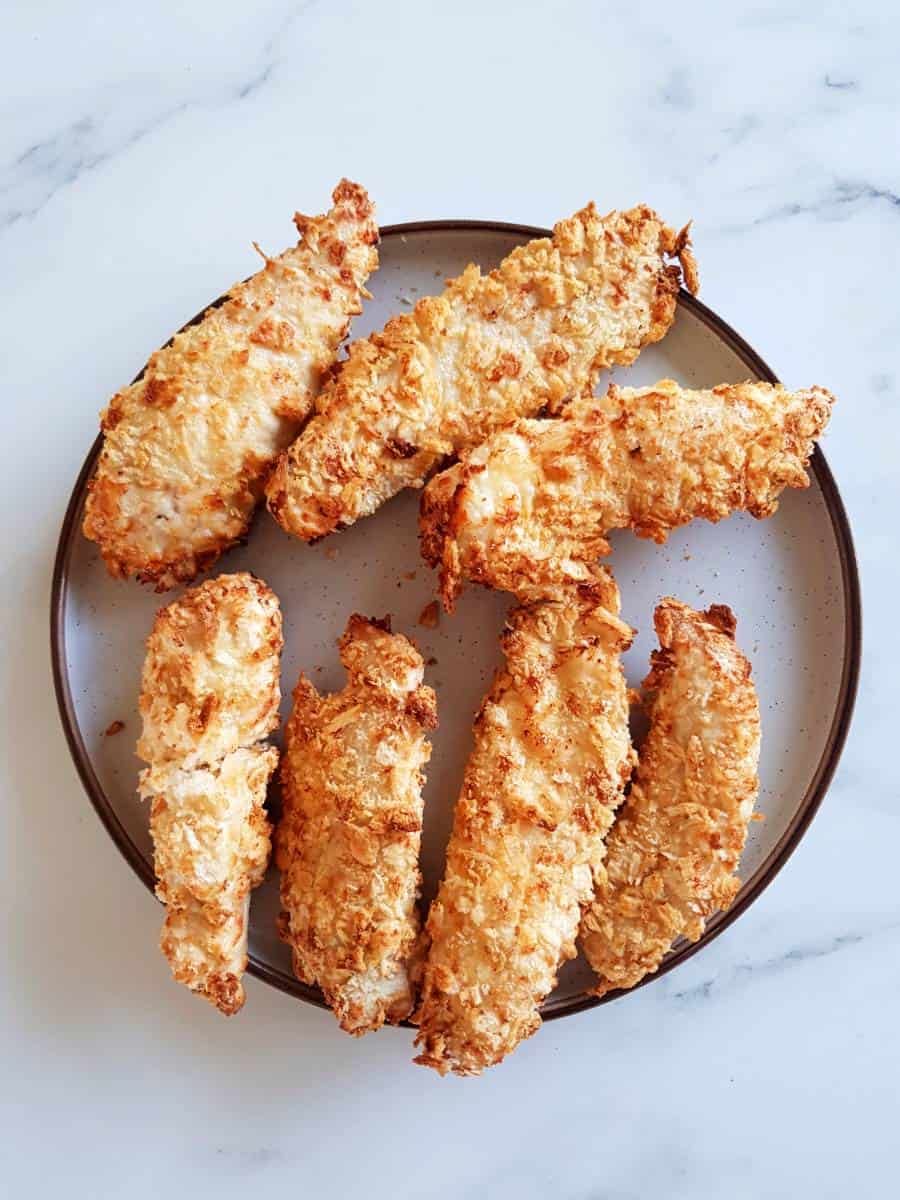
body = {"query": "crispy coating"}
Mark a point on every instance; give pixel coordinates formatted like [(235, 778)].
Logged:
[(552, 755), (530, 508), (210, 681), (672, 853), (532, 333), (209, 693), (212, 844), (187, 449), (348, 843)]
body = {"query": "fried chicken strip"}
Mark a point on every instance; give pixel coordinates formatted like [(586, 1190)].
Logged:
[(348, 843), (435, 381), (552, 755), (211, 839), (210, 682), (209, 693), (530, 508), (187, 449), (672, 853)]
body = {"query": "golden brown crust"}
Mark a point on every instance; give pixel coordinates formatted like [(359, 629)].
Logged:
[(532, 333), (210, 692), (673, 850), (210, 682), (551, 757), (211, 840), (187, 448), (531, 507), (348, 843)]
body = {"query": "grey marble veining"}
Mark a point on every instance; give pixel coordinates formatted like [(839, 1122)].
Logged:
[(141, 151)]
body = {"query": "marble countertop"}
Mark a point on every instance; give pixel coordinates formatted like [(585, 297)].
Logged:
[(143, 149)]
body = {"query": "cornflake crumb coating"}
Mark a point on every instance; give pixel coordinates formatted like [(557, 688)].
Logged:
[(210, 692), (531, 507), (534, 332), (188, 447), (210, 681), (348, 842), (672, 853), (551, 757), (212, 844)]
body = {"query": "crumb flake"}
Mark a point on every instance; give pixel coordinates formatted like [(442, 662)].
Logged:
[(430, 616)]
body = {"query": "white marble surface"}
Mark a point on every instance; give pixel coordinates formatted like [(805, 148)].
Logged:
[(142, 149)]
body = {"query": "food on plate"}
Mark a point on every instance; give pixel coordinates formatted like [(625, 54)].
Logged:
[(210, 681), (530, 508), (562, 835), (188, 447), (209, 694), (673, 851), (551, 757), (532, 333), (211, 848), (348, 842)]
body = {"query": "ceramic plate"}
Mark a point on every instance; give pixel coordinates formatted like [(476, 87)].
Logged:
[(791, 580)]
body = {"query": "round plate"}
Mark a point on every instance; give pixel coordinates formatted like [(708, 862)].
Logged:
[(792, 581)]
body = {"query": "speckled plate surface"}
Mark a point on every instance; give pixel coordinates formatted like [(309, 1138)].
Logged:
[(791, 580)]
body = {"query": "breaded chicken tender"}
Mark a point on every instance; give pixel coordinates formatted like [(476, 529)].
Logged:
[(187, 449), (530, 508), (672, 853), (210, 691), (210, 681), (348, 842), (212, 844), (532, 333), (552, 755)]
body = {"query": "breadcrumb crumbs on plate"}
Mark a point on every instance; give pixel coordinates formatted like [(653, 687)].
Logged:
[(430, 615), (113, 728)]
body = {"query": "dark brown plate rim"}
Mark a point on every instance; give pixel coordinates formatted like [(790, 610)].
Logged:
[(777, 857)]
